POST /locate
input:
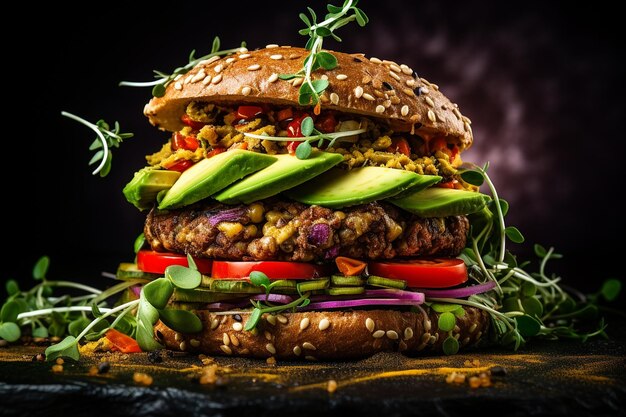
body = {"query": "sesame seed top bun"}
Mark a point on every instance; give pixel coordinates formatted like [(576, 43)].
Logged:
[(379, 89)]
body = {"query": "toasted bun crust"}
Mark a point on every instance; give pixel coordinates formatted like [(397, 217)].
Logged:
[(370, 87), (325, 334)]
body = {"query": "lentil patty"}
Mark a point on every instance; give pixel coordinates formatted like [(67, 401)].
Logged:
[(290, 231)]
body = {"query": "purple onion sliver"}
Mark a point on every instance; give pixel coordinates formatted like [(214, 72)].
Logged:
[(230, 215), (136, 289), (332, 253), (399, 294), (319, 234), (219, 306), (460, 292), (273, 298), (360, 303)]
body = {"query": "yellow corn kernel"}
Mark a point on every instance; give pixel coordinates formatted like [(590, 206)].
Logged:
[(255, 212), (230, 229), (251, 230), (273, 216)]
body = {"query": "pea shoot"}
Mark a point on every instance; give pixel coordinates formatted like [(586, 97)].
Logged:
[(106, 139), (163, 79)]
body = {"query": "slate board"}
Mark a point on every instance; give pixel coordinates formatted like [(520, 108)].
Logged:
[(545, 378)]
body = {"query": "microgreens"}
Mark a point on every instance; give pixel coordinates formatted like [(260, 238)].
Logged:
[(261, 280), (106, 139), (310, 90), (303, 151), (163, 79)]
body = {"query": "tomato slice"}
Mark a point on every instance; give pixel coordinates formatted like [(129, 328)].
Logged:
[(423, 273), (156, 262), (273, 269)]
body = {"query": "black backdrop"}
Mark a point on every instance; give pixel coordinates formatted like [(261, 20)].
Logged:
[(542, 82)]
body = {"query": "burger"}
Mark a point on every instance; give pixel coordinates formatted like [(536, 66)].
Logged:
[(317, 226)]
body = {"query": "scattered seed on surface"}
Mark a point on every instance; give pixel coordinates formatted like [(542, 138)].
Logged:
[(368, 96), (237, 326), (271, 319), (429, 101), (394, 75), (271, 360), (297, 350), (178, 337), (226, 339), (244, 56), (211, 60), (331, 386), (243, 49), (304, 323), (425, 90), (334, 98), (392, 334), (268, 335), (276, 57), (406, 70), (395, 68), (375, 60), (199, 75), (230, 60), (194, 343), (216, 79), (270, 348), (271, 45), (408, 333), (369, 324), (183, 346), (324, 77), (404, 110), (431, 116), (103, 367), (380, 108), (206, 80), (425, 337), (237, 317), (178, 85), (297, 82), (214, 324), (427, 325), (378, 334), (472, 328), (324, 324), (358, 91), (410, 82), (341, 77), (282, 318), (218, 68), (308, 346), (227, 350), (272, 78), (234, 340), (254, 67), (246, 91), (433, 339), (310, 358), (141, 378)]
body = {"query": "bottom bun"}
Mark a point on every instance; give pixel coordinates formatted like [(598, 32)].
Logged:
[(317, 335)]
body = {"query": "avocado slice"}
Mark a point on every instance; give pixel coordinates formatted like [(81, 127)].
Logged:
[(212, 175), (339, 188), (287, 172), (142, 190), (441, 202)]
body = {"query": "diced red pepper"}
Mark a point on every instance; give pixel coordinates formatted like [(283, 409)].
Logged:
[(215, 151), (188, 121), (248, 112), (400, 145), (291, 147), (180, 141), (326, 123), (180, 166), (284, 114), (452, 184), (122, 342), (294, 129)]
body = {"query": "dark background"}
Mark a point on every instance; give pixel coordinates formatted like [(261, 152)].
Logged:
[(541, 81)]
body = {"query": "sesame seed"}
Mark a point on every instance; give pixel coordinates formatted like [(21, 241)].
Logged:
[(310, 358), (254, 67), (218, 68), (242, 49), (380, 108), (183, 346), (272, 78), (297, 81), (473, 327), (429, 101), (467, 127), (268, 335), (433, 339), (395, 68), (294, 56), (431, 116), (246, 90), (324, 77), (334, 98), (406, 70), (270, 348), (214, 324), (271, 45), (297, 351), (457, 113), (410, 82), (178, 337), (358, 91), (408, 333), (230, 60), (226, 339), (206, 80), (244, 56), (276, 57), (271, 319), (178, 85), (216, 79), (466, 340), (425, 338), (178, 77), (408, 91), (194, 343), (308, 346), (395, 100), (324, 324), (394, 75), (366, 79), (404, 110), (424, 90), (457, 336), (387, 104), (227, 350), (282, 318), (467, 120), (199, 75), (237, 326), (427, 325), (369, 97), (421, 347), (234, 340), (341, 77), (211, 60), (478, 335), (304, 323), (375, 60), (369, 324), (434, 86), (379, 94), (378, 334), (392, 334)]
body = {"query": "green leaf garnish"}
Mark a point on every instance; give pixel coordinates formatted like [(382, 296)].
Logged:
[(158, 292), (10, 332), (473, 177), (610, 289), (181, 320), (191, 263), (139, 242), (106, 138), (9, 311), (41, 268), (67, 348), (183, 277), (259, 279), (450, 346), (528, 326), (514, 234), (447, 321), (303, 150)]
